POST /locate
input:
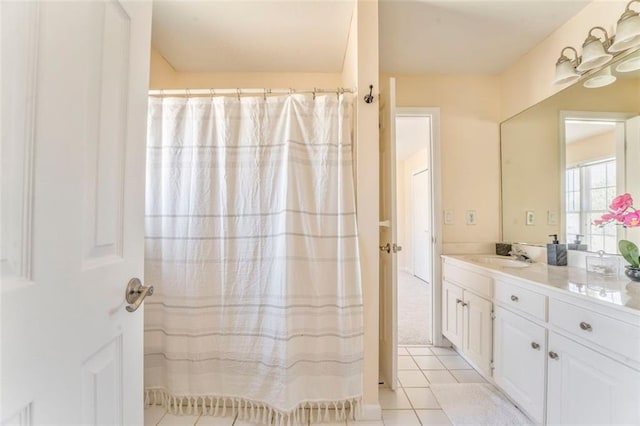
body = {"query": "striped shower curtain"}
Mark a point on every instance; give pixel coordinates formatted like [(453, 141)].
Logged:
[(251, 244)]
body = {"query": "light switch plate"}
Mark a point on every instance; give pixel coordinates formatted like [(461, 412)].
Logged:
[(448, 217), (530, 218), (552, 218), (472, 217)]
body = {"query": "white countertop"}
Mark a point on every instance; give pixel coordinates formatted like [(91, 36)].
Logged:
[(569, 279)]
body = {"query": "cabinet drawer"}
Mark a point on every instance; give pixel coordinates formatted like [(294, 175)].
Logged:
[(521, 299), (467, 279), (617, 336)]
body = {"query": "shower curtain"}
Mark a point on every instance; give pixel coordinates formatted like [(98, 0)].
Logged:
[(251, 244)]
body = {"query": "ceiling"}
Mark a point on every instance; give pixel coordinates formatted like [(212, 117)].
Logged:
[(577, 130), (417, 36)]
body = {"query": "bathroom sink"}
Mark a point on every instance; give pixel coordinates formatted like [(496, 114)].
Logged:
[(502, 261)]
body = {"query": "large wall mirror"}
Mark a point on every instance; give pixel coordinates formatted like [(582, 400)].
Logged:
[(564, 159)]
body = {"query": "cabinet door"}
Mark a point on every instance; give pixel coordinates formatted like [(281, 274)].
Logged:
[(477, 331), (519, 358), (452, 313), (585, 387)]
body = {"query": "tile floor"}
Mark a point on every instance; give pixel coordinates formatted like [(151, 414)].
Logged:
[(411, 404)]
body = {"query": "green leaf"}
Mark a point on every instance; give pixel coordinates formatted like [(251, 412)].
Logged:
[(629, 251)]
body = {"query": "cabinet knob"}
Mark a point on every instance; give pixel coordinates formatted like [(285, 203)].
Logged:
[(458, 301), (535, 345), (553, 355), (514, 298), (464, 304), (586, 326)]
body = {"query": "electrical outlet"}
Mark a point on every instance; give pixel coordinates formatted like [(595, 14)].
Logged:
[(552, 218), (472, 217), (530, 218), (448, 217)]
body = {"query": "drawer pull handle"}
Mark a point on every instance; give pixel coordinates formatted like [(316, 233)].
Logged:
[(586, 326), (514, 298), (553, 355), (458, 301), (535, 346), (464, 304)]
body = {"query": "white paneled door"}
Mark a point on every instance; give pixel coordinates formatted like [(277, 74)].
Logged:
[(74, 105)]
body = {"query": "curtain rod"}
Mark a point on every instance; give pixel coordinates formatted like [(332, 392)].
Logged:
[(240, 92)]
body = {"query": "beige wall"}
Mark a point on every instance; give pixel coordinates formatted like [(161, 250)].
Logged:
[(404, 174), (591, 149), (469, 144), (163, 76)]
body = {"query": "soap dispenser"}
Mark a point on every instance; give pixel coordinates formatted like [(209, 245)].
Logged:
[(556, 253), (577, 244)]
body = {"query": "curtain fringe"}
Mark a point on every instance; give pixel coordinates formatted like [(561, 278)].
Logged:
[(255, 411)]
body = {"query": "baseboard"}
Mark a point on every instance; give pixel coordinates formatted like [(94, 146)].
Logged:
[(369, 415)]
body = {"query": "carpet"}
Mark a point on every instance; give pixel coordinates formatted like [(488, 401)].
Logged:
[(477, 404), (414, 310)]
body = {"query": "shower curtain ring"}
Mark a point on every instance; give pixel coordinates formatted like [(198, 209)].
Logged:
[(238, 91), (188, 93), (264, 95), (212, 93), (314, 93)]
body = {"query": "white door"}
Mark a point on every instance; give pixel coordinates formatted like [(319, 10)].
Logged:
[(452, 313), (388, 238), (421, 224), (519, 357), (478, 331), (74, 103), (584, 387)]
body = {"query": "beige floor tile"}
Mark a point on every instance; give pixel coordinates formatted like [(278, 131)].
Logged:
[(393, 400), (400, 418), (153, 415), (433, 417), (215, 421), (443, 351), (406, 363), (402, 351), (429, 363), (174, 420), (420, 351), (422, 398), (439, 376), (454, 362), (412, 379), (467, 376)]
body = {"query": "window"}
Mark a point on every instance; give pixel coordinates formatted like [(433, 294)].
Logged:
[(589, 190)]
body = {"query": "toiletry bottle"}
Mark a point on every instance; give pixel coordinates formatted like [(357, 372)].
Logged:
[(556, 253), (577, 244)]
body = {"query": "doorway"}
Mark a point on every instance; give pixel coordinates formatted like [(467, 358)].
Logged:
[(414, 205)]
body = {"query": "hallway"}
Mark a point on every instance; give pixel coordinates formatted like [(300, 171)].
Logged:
[(414, 310)]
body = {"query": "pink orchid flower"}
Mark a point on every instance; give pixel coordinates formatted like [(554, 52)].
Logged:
[(621, 203), (631, 219)]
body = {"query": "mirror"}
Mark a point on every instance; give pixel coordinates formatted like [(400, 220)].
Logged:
[(564, 159)]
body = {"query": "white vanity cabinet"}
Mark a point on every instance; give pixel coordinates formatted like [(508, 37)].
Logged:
[(466, 314), (560, 353), (585, 387), (519, 358)]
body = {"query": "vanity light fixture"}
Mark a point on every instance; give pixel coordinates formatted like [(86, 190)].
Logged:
[(629, 65), (566, 68), (603, 78), (594, 53), (628, 30)]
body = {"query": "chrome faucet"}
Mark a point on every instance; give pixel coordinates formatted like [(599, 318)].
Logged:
[(519, 254)]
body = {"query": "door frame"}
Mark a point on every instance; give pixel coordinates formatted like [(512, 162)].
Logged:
[(436, 221)]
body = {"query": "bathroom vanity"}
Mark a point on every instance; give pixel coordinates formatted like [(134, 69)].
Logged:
[(564, 349)]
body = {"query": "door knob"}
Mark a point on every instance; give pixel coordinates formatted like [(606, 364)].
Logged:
[(396, 248), (136, 293), (386, 247)]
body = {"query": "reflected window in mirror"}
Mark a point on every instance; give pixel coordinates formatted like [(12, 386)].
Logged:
[(588, 189)]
